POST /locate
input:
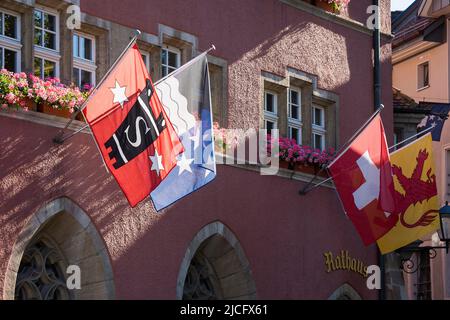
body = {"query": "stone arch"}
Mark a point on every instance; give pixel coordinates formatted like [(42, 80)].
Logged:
[(69, 230), (345, 292), (225, 267)]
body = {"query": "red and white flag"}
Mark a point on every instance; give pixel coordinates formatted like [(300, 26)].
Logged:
[(134, 135), (363, 178)]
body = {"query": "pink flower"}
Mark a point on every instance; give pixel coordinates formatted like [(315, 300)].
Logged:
[(11, 98)]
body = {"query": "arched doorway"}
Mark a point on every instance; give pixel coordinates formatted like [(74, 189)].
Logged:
[(59, 235), (215, 267), (345, 292)]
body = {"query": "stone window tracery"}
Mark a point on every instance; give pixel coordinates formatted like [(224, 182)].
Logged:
[(41, 274)]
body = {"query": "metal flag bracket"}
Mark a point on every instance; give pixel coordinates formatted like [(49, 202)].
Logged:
[(60, 137), (308, 186)]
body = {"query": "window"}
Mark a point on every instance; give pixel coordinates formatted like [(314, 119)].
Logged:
[(146, 57), (170, 60), (270, 111), (318, 127), (83, 47), (423, 285), (294, 115), (46, 30), (423, 75), (10, 45), (44, 68), (83, 60), (46, 44), (9, 26), (8, 59)]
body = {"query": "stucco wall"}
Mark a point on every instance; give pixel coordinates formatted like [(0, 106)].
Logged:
[(282, 234), (405, 75), (269, 35)]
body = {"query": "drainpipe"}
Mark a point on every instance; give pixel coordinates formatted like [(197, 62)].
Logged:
[(377, 103)]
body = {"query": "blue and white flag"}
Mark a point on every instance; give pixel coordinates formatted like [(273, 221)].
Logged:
[(186, 98), (435, 121)]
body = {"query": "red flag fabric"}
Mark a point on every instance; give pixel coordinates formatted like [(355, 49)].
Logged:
[(363, 178), (134, 135)]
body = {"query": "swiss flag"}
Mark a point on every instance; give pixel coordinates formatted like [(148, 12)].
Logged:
[(134, 135), (363, 178)]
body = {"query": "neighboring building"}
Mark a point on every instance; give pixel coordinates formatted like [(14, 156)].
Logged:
[(278, 64), (407, 116), (421, 78)]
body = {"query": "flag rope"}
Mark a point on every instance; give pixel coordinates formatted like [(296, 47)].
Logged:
[(60, 137)]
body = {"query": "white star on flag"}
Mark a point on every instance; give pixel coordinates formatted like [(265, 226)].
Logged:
[(196, 138), (208, 163), (119, 94), (156, 163), (184, 164)]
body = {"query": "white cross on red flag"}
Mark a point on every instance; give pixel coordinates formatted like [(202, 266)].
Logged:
[(363, 178), (134, 135)]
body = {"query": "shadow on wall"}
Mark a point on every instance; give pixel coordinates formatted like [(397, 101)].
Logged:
[(34, 171), (318, 50), (59, 235)]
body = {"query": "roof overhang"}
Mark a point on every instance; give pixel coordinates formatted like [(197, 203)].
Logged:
[(411, 49), (426, 10)]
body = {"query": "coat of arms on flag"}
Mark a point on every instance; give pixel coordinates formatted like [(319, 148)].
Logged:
[(416, 195), (134, 135)]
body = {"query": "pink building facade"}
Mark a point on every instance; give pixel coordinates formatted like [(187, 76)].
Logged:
[(243, 236)]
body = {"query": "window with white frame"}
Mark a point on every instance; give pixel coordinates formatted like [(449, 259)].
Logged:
[(46, 43), (44, 68), (170, 60), (83, 60), (294, 115), (146, 57), (10, 46), (423, 75), (46, 29), (318, 127), (270, 111)]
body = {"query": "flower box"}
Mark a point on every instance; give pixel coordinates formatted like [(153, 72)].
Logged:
[(17, 90), (334, 6), (48, 109), (308, 169), (325, 6)]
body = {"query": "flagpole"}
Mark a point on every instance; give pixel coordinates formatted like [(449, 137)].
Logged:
[(184, 66), (305, 190), (390, 148), (59, 137)]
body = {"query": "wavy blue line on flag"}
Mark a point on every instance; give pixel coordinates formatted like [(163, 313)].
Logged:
[(186, 98)]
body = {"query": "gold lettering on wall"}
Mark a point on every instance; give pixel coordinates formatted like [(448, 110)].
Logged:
[(344, 261)]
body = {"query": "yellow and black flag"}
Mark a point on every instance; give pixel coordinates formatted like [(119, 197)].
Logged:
[(416, 195)]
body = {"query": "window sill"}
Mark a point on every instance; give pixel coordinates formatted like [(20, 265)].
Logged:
[(53, 54), (10, 43), (423, 88), (283, 172)]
